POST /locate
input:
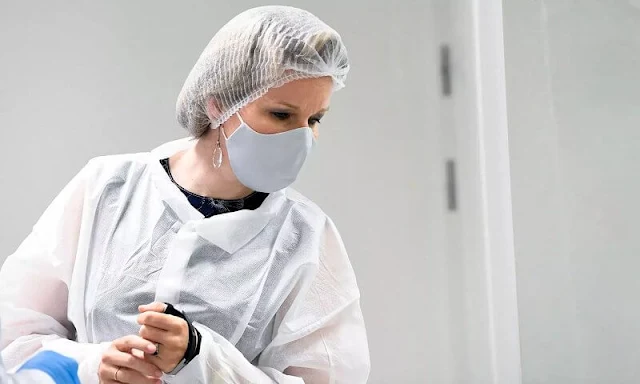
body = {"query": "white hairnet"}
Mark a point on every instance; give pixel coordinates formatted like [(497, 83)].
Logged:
[(259, 49)]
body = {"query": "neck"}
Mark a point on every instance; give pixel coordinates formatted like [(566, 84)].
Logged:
[(193, 170)]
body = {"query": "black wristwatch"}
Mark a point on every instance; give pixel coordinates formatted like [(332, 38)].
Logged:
[(195, 339)]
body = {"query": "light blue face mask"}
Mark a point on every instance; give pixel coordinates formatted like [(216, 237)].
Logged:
[(268, 163)]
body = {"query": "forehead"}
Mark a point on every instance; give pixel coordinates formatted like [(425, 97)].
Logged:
[(303, 93)]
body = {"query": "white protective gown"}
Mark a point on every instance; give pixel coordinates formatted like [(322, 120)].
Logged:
[(23, 377), (272, 290)]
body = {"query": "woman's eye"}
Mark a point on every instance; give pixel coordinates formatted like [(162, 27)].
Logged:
[(314, 121), (280, 115)]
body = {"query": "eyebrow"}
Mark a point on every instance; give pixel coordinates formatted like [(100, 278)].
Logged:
[(296, 108)]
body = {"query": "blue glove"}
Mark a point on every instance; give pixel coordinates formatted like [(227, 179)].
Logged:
[(61, 369)]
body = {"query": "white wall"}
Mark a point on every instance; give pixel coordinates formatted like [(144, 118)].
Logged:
[(85, 79), (573, 89)]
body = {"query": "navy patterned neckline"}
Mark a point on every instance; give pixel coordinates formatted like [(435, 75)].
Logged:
[(209, 206)]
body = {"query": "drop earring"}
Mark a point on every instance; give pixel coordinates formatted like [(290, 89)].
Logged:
[(217, 153)]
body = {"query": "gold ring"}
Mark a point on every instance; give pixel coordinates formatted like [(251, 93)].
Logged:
[(115, 375)]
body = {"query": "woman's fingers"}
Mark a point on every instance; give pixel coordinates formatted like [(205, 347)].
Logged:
[(162, 321), (155, 307), (107, 373), (110, 374), (127, 343), (154, 334), (119, 365), (129, 376), (171, 332), (127, 360)]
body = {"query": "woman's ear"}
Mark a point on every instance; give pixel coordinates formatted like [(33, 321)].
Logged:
[(212, 109)]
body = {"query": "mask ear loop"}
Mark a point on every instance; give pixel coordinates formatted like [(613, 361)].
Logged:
[(217, 153), (240, 117)]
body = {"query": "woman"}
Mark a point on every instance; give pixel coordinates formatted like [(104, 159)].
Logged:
[(195, 263)]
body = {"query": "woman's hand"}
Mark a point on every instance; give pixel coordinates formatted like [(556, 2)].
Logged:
[(170, 333), (120, 365)]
